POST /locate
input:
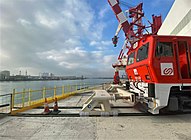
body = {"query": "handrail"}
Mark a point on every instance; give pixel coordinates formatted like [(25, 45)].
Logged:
[(28, 99)]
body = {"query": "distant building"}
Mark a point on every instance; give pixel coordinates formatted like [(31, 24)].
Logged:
[(46, 75), (5, 75), (68, 77)]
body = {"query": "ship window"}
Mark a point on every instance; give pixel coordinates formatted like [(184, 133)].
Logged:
[(164, 49), (131, 58), (143, 52)]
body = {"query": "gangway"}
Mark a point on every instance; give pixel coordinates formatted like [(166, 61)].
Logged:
[(100, 98), (99, 102)]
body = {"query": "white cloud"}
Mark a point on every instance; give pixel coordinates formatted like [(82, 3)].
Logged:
[(80, 60), (57, 40), (23, 22), (3, 54), (109, 59), (46, 21), (93, 43), (101, 45), (97, 30), (71, 58), (96, 43), (103, 11)]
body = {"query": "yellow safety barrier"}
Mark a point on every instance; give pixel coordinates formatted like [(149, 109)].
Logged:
[(29, 99)]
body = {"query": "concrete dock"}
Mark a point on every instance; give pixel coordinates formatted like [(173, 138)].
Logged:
[(94, 128)]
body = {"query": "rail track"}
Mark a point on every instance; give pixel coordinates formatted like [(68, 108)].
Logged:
[(64, 113)]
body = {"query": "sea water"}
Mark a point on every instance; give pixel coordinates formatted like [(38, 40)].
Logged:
[(7, 87)]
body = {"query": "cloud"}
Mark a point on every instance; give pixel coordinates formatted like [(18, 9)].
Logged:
[(101, 45), (23, 22), (46, 21), (95, 63), (104, 11), (63, 37)]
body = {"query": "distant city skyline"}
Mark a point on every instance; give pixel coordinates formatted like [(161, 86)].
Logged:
[(68, 37), (6, 76), (26, 73)]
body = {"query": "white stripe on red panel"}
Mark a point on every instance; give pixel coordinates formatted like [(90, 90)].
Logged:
[(113, 2), (121, 17)]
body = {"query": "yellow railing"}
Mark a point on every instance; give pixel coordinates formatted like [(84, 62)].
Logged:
[(28, 98)]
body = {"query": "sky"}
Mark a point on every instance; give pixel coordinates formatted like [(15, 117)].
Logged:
[(63, 37)]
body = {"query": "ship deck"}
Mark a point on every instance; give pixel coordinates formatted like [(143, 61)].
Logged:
[(33, 125)]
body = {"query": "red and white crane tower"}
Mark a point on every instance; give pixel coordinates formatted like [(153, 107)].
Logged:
[(133, 30)]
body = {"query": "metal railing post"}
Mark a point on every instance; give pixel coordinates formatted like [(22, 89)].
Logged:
[(69, 88), (12, 100), (54, 91), (80, 86), (10, 107), (72, 88), (30, 96), (62, 90), (23, 98), (44, 93)]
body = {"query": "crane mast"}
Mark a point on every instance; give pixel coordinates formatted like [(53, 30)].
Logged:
[(133, 30)]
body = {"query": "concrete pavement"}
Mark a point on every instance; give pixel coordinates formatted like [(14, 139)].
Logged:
[(174, 127), (96, 128)]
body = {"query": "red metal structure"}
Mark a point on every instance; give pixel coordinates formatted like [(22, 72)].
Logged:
[(158, 67), (116, 78)]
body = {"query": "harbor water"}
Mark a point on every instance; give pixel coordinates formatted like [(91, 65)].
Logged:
[(7, 87)]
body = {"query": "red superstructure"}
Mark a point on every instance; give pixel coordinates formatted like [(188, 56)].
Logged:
[(158, 67), (161, 59)]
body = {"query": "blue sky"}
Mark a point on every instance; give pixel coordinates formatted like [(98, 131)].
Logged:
[(64, 37)]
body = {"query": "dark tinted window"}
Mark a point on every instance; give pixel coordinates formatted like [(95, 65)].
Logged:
[(131, 58), (142, 52), (164, 49)]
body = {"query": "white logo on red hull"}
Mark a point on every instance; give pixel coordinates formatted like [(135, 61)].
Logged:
[(135, 72), (167, 69)]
